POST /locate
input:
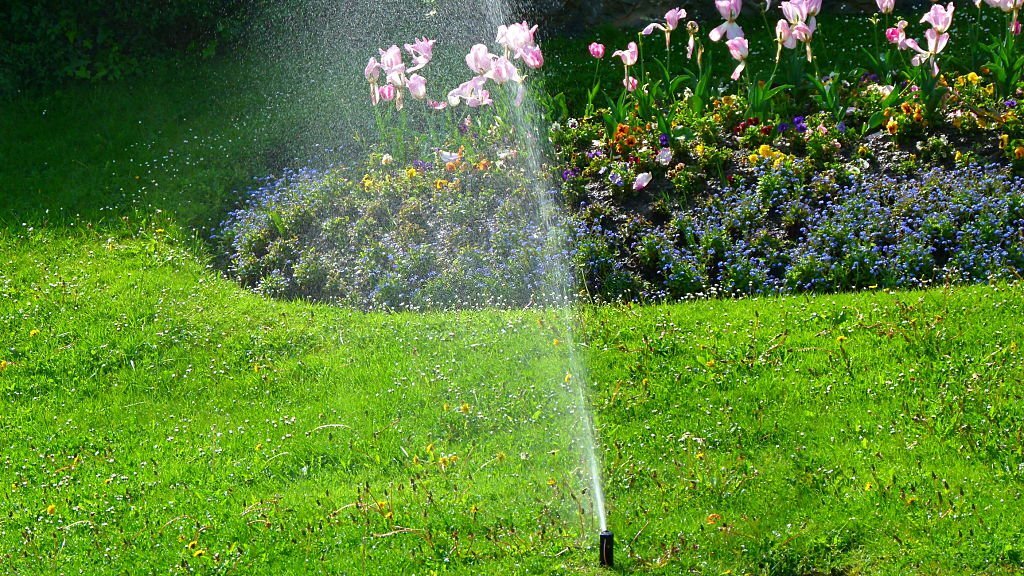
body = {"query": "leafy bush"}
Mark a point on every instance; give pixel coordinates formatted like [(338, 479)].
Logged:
[(779, 235), (457, 234), (47, 40), (469, 235)]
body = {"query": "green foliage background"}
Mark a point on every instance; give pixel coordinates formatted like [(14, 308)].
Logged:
[(45, 41)]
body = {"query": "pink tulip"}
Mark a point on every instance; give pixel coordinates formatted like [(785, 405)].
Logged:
[(642, 180), (479, 59), (387, 92), (391, 60), (673, 16), (472, 92), (532, 57), (372, 71), (897, 35), (739, 50), (1015, 28), (692, 28), (886, 6), (730, 10), (784, 34), (1006, 5), (596, 50), (417, 86), (516, 37), (481, 98), (802, 32), (434, 104), (422, 51), (795, 11), (629, 55), (940, 18), (630, 83), (936, 42), (503, 70)]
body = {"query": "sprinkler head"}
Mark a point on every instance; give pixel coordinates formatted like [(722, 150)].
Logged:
[(607, 549)]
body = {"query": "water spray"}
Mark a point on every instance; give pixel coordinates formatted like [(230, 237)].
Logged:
[(607, 549)]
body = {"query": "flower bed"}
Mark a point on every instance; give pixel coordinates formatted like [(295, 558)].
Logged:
[(765, 176)]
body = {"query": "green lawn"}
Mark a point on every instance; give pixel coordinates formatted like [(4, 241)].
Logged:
[(153, 410), (157, 418)]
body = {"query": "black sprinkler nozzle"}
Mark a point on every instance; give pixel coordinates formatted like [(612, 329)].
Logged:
[(607, 549)]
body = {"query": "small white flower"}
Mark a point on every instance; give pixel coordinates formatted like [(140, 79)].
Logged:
[(664, 157)]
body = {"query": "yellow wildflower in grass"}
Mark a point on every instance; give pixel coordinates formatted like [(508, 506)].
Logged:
[(868, 487), (753, 158), (367, 181), (552, 482), (713, 519), (892, 126), (192, 545), (411, 172), (555, 342), (568, 377), (958, 156), (464, 408), (699, 150), (440, 183), (51, 509), (1018, 153), (33, 333), (4, 364), (973, 78), (765, 150), (483, 165), (990, 89), (1004, 140), (198, 553)]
